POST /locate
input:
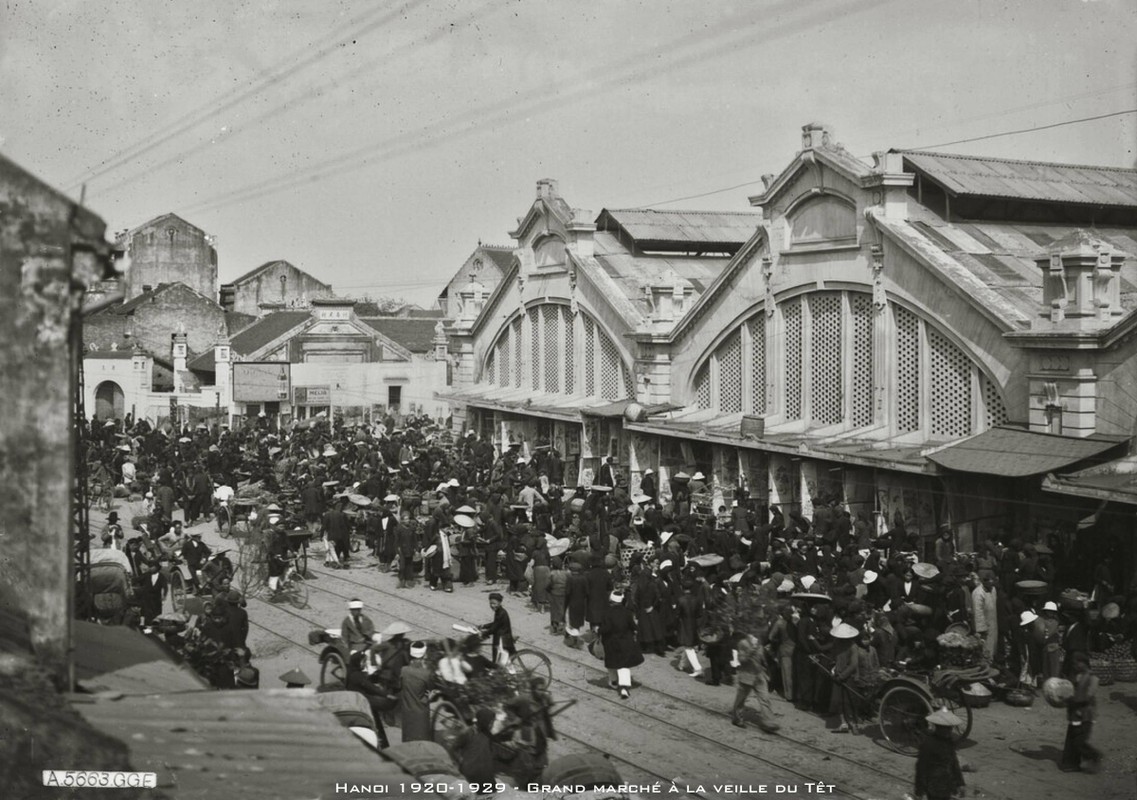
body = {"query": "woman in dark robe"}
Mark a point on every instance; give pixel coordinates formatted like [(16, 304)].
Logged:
[(599, 586), (621, 650), (576, 604), (649, 620)]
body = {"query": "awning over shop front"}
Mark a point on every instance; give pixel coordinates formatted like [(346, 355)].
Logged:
[(708, 426), (119, 659), (565, 407), (1017, 453), (1114, 480)]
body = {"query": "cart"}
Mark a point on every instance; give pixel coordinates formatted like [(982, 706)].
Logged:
[(241, 511), (901, 700)]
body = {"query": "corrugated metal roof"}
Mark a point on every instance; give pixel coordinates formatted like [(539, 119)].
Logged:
[(1016, 453), (633, 273), (119, 659), (1002, 255), (681, 227), (277, 743), (1027, 180)]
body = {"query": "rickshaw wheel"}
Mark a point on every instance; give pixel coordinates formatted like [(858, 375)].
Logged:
[(333, 670), (902, 722), (447, 723), (177, 591), (298, 591), (224, 522), (533, 665), (961, 710)]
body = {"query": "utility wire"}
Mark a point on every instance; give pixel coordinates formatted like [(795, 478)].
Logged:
[(1024, 130), (295, 63), (315, 92), (921, 147), (539, 100)]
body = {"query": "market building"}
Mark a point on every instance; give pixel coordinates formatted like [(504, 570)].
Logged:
[(924, 338), (273, 286)]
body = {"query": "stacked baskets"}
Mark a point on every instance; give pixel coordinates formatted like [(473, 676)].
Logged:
[(959, 649)]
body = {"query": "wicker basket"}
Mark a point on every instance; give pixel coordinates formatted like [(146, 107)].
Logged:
[(1102, 669), (976, 700), (1022, 698), (1125, 670)]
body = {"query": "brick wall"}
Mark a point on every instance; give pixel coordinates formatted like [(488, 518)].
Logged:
[(169, 250)]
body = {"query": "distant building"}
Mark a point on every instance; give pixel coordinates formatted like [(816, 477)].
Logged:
[(273, 286), (299, 363), (166, 250), (484, 268)]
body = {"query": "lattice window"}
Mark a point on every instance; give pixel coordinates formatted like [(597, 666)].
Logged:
[(534, 350), (907, 370), (826, 393), (589, 356), (703, 387), (489, 373), (730, 374), (610, 366), (758, 364), (996, 409), (551, 331), (517, 377), (862, 377), (570, 351), (791, 315), (504, 357), (950, 401), (629, 384)]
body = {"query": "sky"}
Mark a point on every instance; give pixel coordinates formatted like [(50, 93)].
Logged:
[(373, 144)]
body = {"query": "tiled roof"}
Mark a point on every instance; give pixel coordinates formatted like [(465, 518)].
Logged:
[(690, 228), (255, 336), (1017, 453), (1027, 180), (414, 333), (267, 329), (124, 354), (502, 256)]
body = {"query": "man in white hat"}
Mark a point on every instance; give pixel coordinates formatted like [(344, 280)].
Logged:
[(414, 696), (648, 486), (357, 629)]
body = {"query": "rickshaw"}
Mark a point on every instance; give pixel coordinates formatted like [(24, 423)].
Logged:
[(903, 698), (519, 695)]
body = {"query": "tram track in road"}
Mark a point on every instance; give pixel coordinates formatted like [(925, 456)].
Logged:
[(900, 783), (637, 768)]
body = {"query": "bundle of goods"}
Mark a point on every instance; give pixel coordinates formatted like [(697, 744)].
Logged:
[(1057, 691), (976, 695), (959, 649), (1073, 599), (1022, 698), (630, 547)]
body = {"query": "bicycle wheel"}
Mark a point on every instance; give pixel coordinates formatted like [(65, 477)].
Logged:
[(956, 706), (177, 591), (297, 592), (333, 671), (533, 665), (224, 523), (302, 559), (902, 722), (447, 723)]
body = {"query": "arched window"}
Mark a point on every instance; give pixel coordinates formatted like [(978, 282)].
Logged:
[(825, 219), (567, 354), (549, 252)]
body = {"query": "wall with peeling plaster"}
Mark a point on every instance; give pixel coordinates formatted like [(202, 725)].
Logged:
[(38, 227)]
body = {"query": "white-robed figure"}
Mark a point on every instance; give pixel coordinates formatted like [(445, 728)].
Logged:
[(441, 560)]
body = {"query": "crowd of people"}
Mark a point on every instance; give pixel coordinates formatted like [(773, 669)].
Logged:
[(632, 573)]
